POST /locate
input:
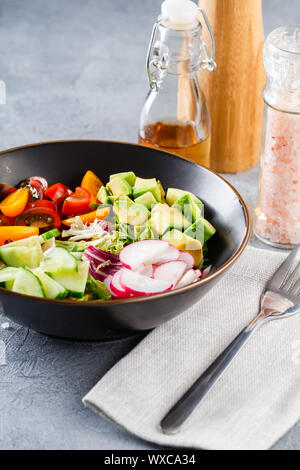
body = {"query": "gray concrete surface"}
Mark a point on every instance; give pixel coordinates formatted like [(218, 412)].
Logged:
[(75, 69)]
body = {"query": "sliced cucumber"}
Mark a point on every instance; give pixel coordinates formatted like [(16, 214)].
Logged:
[(59, 260), (19, 256), (8, 274), (27, 252), (50, 234), (7, 277), (9, 284), (74, 282), (52, 289), (27, 283), (28, 242)]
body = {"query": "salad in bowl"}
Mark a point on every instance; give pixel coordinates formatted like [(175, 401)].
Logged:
[(125, 239)]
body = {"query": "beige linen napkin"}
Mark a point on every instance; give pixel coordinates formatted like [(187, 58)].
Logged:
[(255, 402)]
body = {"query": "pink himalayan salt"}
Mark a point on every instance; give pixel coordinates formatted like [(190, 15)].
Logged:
[(278, 216)]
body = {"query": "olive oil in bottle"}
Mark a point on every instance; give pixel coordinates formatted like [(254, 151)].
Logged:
[(179, 139), (175, 116)]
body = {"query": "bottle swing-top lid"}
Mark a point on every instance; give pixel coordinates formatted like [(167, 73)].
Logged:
[(179, 12)]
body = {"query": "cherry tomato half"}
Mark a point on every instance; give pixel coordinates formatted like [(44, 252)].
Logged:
[(58, 193), (6, 221), (42, 180), (42, 203), (6, 190), (77, 203), (14, 204), (34, 187), (42, 217)]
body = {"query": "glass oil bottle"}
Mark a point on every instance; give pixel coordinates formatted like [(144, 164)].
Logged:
[(175, 117)]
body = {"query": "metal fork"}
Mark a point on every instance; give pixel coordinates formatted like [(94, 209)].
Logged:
[(281, 299)]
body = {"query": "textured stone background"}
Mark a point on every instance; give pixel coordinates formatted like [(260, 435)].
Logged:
[(75, 69)]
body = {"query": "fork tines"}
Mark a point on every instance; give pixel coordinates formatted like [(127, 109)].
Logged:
[(287, 277)]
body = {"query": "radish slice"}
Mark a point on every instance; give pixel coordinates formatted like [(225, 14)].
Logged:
[(107, 282), (171, 254), (187, 258), (137, 284), (115, 285), (171, 271), (146, 270), (188, 278), (143, 252), (199, 274)]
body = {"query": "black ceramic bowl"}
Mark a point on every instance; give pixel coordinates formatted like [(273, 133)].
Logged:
[(66, 162)]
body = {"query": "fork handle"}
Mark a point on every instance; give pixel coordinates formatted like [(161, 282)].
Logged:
[(180, 412)]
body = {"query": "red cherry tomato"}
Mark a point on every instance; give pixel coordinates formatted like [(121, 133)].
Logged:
[(5, 190), (44, 218), (77, 203), (58, 193), (43, 203), (6, 221), (42, 180), (35, 188)]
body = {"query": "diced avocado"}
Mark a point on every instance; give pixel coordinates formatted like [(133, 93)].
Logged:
[(159, 225), (143, 185), (147, 199), (74, 282), (143, 232), (52, 289), (162, 191), (185, 243), (199, 204), (121, 204), (188, 207), (129, 212), (173, 194), (102, 195), (136, 232), (178, 220), (184, 204), (27, 283), (201, 230), (160, 219), (164, 217), (124, 199), (119, 187), (128, 176)]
